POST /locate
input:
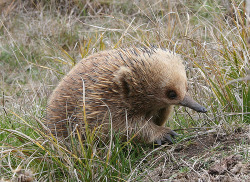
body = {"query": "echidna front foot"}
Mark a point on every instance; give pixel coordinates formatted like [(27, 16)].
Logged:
[(167, 138)]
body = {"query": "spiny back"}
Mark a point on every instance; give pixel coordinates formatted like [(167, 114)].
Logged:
[(131, 81)]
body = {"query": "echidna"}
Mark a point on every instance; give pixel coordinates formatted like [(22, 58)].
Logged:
[(134, 89)]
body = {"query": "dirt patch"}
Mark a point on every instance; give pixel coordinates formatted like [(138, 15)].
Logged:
[(211, 157), (204, 143)]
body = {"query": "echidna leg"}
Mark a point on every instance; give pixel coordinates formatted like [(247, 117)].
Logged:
[(150, 132), (162, 115)]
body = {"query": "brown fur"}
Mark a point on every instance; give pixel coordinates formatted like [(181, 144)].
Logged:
[(127, 87)]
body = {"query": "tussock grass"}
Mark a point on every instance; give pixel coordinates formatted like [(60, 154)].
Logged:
[(41, 41)]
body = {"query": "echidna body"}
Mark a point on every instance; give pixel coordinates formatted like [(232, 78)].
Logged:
[(134, 89)]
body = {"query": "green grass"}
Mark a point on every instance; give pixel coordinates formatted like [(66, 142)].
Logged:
[(91, 160), (40, 42)]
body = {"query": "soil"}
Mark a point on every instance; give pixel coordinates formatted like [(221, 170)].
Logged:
[(210, 157)]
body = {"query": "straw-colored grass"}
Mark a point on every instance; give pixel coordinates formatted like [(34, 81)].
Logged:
[(41, 41)]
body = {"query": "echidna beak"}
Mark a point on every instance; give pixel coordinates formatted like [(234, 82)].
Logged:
[(189, 102)]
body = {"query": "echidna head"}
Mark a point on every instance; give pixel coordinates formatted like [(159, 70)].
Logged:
[(155, 81)]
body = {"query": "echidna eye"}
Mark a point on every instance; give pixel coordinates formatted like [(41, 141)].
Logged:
[(171, 94)]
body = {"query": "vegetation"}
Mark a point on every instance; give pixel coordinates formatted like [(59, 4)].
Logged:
[(40, 41)]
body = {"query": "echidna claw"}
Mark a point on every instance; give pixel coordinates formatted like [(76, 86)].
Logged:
[(167, 138), (172, 133), (158, 142)]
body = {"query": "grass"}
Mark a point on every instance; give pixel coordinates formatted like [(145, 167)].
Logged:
[(40, 42)]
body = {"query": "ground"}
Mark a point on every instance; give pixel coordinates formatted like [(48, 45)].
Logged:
[(208, 157)]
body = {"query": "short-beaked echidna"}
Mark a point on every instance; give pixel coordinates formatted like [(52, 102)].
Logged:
[(134, 89)]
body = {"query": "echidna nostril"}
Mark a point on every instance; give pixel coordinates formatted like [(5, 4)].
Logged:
[(204, 110)]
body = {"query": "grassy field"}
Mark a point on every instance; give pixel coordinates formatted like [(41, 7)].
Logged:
[(41, 41)]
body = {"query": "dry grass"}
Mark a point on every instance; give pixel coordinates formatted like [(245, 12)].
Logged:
[(39, 42)]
